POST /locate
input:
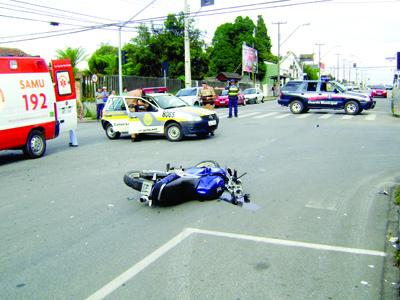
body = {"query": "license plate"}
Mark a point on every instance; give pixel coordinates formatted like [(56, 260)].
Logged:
[(146, 188), (212, 123)]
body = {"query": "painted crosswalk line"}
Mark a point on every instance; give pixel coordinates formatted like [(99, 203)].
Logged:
[(283, 116), (303, 116), (248, 114), (326, 116), (266, 115), (347, 117), (370, 117)]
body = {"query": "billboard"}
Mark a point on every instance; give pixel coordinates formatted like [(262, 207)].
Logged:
[(249, 59)]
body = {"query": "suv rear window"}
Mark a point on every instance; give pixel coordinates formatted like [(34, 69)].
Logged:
[(292, 86)]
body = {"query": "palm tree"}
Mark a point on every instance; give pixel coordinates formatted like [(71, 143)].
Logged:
[(75, 55)]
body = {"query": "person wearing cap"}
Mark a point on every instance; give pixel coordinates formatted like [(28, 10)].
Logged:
[(207, 95), (233, 91), (99, 104), (104, 94)]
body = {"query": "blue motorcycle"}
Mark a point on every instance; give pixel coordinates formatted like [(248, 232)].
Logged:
[(205, 181)]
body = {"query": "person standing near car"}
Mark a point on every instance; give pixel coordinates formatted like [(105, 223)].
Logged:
[(233, 91), (207, 95), (99, 104)]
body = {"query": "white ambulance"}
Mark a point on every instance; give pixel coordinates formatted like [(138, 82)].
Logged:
[(33, 109)]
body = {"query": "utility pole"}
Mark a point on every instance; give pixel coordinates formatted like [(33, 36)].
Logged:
[(344, 70), (319, 58), (123, 24), (279, 54), (338, 66), (188, 73)]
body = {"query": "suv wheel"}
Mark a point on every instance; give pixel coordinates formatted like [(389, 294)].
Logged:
[(296, 107), (352, 108)]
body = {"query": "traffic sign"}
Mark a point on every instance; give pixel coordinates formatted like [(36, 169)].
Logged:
[(94, 78)]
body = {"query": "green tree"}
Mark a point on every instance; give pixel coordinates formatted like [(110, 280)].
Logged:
[(75, 55), (154, 45), (226, 51), (104, 60), (312, 73), (263, 45)]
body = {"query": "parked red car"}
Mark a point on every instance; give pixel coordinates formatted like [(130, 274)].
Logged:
[(223, 101), (378, 91)]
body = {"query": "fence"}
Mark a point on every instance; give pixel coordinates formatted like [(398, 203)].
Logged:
[(130, 82)]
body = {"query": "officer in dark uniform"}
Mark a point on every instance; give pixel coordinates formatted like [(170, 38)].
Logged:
[(233, 91)]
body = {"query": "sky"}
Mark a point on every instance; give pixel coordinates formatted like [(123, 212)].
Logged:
[(361, 32)]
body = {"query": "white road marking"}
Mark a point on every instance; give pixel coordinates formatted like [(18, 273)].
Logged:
[(371, 117), (326, 116), (303, 116), (248, 114), (282, 116), (289, 243), (320, 205), (140, 266), (347, 117), (152, 257), (266, 115)]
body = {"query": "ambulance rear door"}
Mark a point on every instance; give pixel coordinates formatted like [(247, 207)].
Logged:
[(64, 86)]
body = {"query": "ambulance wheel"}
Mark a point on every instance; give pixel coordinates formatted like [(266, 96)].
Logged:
[(208, 164), (174, 132), (111, 133), (132, 181), (352, 108), (35, 144)]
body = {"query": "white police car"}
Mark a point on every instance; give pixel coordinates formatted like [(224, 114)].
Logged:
[(159, 113)]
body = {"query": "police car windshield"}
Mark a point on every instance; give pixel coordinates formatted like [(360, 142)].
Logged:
[(186, 92), (169, 101), (341, 88)]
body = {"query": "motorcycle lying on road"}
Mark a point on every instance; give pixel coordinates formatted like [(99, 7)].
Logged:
[(205, 181)]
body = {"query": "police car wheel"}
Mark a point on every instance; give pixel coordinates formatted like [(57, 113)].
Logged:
[(35, 145), (174, 132), (111, 134), (296, 107), (352, 108)]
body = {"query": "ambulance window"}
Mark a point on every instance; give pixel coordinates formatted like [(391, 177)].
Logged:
[(13, 65), (63, 83)]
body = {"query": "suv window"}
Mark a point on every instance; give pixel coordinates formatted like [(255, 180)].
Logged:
[(292, 86), (312, 86)]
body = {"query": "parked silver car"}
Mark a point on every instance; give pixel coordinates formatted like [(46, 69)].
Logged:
[(253, 95)]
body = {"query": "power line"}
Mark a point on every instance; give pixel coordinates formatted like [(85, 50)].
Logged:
[(199, 14), (62, 10)]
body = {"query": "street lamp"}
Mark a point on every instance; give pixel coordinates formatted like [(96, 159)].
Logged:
[(279, 49)]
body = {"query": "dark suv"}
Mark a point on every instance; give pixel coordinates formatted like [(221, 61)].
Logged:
[(303, 95)]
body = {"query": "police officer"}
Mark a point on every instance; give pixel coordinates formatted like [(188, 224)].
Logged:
[(233, 91)]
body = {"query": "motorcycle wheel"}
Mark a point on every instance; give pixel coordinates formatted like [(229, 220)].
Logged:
[(132, 181), (208, 164)]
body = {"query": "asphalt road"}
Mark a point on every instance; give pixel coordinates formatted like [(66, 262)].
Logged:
[(70, 227)]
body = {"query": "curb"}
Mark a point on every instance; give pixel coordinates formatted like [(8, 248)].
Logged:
[(391, 273)]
